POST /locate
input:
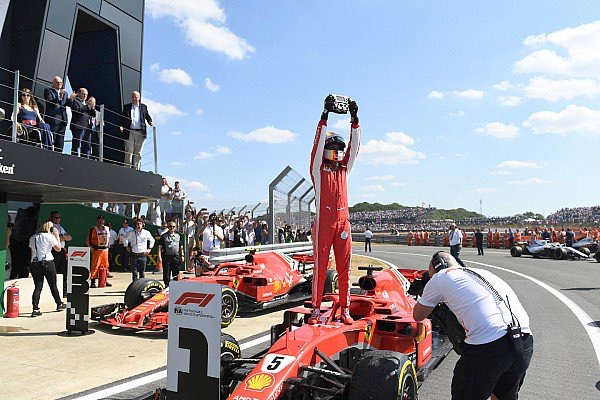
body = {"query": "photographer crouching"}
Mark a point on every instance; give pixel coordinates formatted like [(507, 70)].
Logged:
[(498, 344)]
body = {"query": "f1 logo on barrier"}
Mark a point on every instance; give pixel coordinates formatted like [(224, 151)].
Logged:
[(202, 299), (78, 254)]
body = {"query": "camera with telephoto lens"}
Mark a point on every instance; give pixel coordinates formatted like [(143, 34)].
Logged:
[(212, 218), (337, 103)]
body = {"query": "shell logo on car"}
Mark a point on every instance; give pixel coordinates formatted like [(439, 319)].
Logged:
[(259, 382), (277, 286)]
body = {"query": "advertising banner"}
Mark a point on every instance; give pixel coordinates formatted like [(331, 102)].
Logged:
[(194, 344), (78, 289)]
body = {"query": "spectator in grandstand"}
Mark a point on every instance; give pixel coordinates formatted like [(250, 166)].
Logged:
[(265, 233), (141, 242), (94, 128), (80, 121), (177, 197), (56, 112), (189, 229), (368, 237), (257, 232), (212, 235), (133, 126), (249, 234), (37, 132), (236, 236), (455, 236)]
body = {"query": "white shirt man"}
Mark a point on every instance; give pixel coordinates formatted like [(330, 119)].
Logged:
[(485, 315), (141, 242), (368, 237), (456, 237), (211, 238)]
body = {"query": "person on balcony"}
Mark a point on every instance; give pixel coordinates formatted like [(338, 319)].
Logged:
[(56, 112), (133, 127), (28, 114)]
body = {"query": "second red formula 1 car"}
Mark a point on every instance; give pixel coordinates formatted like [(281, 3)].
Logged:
[(263, 280)]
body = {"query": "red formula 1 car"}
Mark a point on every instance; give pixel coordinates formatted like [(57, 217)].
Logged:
[(263, 280), (384, 354)]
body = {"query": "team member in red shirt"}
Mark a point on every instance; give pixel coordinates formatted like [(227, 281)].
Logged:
[(329, 167)]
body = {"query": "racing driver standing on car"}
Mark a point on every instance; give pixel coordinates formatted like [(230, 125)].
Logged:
[(329, 167)]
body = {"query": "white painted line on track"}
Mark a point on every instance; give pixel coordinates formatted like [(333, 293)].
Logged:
[(155, 376), (590, 326), (255, 342)]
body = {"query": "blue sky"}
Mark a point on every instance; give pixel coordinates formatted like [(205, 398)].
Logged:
[(458, 101)]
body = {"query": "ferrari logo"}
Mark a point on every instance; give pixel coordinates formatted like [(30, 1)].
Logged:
[(259, 382), (236, 283), (368, 331)]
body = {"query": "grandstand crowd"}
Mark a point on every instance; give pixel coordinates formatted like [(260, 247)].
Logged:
[(412, 218)]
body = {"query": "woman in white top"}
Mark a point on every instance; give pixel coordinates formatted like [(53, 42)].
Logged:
[(42, 265)]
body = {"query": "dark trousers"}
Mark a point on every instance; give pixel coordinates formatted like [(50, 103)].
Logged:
[(367, 243), (125, 255), (491, 368), (138, 266), (40, 270), (479, 247), (60, 262), (95, 145), (171, 266), (455, 251), (20, 254), (511, 242), (58, 129)]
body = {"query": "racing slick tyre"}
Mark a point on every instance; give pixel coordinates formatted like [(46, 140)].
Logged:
[(560, 253), (516, 251), (383, 375), (229, 306), (331, 281), (141, 290), (597, 256), (230, 350)]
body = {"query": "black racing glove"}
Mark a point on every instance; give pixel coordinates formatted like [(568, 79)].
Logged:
[(327, 107), (353, 108)]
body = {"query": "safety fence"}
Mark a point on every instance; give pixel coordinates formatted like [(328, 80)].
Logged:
[(290, 199), (96, 132)]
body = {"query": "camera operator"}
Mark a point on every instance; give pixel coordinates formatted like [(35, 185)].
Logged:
[(212, 235), (494, 359), (237, 236)]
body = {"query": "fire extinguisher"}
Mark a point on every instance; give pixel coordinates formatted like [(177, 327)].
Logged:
[(11, 310), (102, 277)]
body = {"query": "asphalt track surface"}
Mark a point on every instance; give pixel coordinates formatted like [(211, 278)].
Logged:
[(562, 299)]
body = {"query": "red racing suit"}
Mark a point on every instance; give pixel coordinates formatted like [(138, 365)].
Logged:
[(331, 225)]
